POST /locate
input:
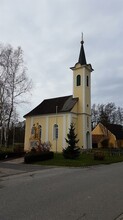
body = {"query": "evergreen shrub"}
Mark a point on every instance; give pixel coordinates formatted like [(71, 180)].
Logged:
[(72, 151), (71, 154)]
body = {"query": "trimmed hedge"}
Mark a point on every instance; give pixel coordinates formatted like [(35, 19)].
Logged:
[(38, 156)]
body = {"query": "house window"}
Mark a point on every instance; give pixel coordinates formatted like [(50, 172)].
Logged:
[(87, 81), (78, 80), (55, 131)]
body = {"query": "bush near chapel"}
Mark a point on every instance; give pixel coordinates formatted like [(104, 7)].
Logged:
[(31, 156), (39, 153), (71, 151)]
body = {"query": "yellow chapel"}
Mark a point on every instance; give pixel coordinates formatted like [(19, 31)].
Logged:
[(55, 115)]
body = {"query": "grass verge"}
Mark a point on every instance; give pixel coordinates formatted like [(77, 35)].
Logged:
[(85, 159)]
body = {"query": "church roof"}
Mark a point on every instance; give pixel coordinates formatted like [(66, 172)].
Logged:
[(48, 106), (82, 58)]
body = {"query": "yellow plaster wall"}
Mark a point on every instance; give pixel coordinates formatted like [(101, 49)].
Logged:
[(42, 122), (80, 131), (27, 134), (67, 124), (69, 117), (102, 130), (112, 141), (119, 143), (52, 119), (75, 108), (59, 121), (78, 90), (88, 91), (97, 130)]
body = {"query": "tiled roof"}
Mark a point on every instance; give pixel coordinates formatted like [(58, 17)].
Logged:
[(117, 130), (48, 106)]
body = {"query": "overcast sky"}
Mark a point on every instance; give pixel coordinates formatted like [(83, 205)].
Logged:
[(49, 33)]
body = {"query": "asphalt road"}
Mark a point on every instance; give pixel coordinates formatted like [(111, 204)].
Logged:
[(93, 193)]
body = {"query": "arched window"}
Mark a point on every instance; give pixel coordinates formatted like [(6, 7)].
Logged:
[(55, 131), (78, 80), (87, 80)]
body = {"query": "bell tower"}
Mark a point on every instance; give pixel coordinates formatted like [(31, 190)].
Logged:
[(82, 90)]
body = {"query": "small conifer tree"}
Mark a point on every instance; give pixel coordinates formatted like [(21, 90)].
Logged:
[(72, 151)]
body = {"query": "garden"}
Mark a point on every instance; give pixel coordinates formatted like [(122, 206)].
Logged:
[(71, 156), (86, 158)]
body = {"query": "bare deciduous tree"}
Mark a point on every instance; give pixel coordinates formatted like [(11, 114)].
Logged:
[(13, 84)]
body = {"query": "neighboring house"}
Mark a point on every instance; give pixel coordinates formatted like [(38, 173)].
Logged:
[(117, 130), (109, 136), (56, 114)]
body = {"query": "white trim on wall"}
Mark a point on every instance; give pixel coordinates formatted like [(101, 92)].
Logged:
[(69, 120), (84, 131), (47, 130), (64, 132), (73, 84), (90, 91), (31, 123), (84, 96)]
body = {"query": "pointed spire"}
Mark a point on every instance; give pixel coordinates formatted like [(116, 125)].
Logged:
[(82, 58)]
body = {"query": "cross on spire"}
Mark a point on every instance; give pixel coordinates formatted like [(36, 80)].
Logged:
[(82, 38)]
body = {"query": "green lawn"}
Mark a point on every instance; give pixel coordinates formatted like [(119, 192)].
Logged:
[(85, 159)]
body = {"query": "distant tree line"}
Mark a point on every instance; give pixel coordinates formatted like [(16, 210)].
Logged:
[(106, 114), (16, 134), (13, 84)]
